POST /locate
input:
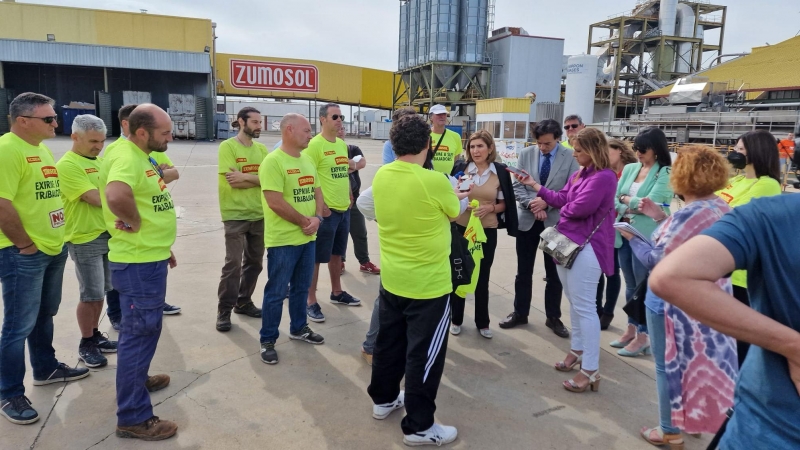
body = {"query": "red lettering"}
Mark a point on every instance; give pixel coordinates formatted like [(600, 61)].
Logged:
[(274, 76)]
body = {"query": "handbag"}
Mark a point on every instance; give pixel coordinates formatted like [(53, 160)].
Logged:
[(563, 249), (461, 263), (636, 309)]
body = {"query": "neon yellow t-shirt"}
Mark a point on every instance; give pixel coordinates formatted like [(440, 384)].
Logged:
[(79, 175), (160, 157), (476, 237), (130, 165), (240, 204), (296, 179), (739, 191), (413, 207), (332, 164), (29, 180), (445, 157)]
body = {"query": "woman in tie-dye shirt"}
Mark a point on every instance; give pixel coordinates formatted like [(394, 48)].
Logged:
[(696, 367)]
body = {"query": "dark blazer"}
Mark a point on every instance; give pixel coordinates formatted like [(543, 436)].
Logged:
[(508, 218)]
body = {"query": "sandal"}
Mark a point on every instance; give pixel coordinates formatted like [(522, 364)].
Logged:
[(561, 366), (675, 441), (594, 383)]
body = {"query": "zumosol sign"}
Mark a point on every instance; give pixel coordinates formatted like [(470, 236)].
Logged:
[(274, 76)]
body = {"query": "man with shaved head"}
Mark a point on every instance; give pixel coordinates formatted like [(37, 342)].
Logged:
[(293, 205), (139, 213)]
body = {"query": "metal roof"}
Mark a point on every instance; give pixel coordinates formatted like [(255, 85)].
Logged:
[(39, 52), (768, 68)]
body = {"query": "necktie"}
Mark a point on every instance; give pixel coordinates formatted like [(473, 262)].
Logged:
[(545, 172)]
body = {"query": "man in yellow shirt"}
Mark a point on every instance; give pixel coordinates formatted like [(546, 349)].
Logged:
[(32, 255), (293, 205), (86, 234), (330, 158), (413, 208), (446, 143), (140, 216), (170, 174), (573, 124), (242, 217)]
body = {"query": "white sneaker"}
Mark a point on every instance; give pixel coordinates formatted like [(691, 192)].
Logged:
[(487, 333), (435, 435), (455, 330), (381, 412)]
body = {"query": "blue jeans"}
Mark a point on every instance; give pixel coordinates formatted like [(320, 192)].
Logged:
[(31, 297), (142, 289), (634, 272), (658, 344), (292, 266)]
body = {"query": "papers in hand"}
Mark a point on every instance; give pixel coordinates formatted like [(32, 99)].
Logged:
[(624, 226)]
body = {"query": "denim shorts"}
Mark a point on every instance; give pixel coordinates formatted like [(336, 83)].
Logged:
[(91, 267), (332, 236)]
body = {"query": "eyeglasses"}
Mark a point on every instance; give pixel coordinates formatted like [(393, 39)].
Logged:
[(156, 166), (573, 126), (337, 117), (46, 119)]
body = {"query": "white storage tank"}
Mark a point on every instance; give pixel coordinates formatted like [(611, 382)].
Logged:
[(413, 32), (581, 84), (443, 42)]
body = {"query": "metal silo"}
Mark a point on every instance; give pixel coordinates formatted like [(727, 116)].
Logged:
[(413, 31), (424, 31), (444, 30), (473, 31), (402, 59)]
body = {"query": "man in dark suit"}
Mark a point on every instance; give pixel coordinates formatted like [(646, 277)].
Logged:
[(550, 164)]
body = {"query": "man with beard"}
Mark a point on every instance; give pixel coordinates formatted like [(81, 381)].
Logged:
[(140, 215), (170, 174), (242, 217)]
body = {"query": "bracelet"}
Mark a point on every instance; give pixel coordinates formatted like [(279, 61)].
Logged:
[(493, 207), (27, 246)]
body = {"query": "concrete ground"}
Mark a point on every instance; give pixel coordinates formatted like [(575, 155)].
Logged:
[(500, 393)]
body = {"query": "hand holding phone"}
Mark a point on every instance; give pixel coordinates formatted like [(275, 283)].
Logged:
[(465, 185), (517, 172)]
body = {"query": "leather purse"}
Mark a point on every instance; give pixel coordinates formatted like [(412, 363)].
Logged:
[(563, 249)]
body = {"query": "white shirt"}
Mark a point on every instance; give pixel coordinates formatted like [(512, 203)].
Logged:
[(481, 179)]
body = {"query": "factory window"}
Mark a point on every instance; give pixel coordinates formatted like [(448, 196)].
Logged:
[(784, 95), (514, 129), (520, 130), (492, 127)]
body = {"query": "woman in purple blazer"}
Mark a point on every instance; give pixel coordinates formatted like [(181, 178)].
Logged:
[(586, 203)]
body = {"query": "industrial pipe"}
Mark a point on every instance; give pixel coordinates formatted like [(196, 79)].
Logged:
[(686, 29)]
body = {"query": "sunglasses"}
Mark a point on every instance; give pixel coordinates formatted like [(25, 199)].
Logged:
[(47, 119), (337, 117), (640, 149), (573, 126)]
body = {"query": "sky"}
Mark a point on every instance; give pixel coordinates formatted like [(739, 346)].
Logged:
[(365, 32)]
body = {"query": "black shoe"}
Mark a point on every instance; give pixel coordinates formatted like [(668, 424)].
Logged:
[(63, 374), (268, 353), (250, 309), (170, 310), (307, 335), (19, 410), (103, 343), (558, 327), (224, 321), (605, 321), (513, 320), (90, 354)]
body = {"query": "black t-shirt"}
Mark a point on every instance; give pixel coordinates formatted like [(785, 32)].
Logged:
[(355, 179)]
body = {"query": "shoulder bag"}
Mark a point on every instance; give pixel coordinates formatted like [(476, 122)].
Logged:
[(563, 249)]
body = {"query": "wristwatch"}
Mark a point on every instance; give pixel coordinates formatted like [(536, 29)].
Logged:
[(321, 219)]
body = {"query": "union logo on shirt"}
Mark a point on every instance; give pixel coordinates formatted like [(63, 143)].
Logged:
[(293, 171), (161, 184), (305, 181), (341, 160), (250, 168), (238, 160), (727, 197), (91, 170), (330, 152), (33, 159), (150, 173), (49, 172), (443, 148)]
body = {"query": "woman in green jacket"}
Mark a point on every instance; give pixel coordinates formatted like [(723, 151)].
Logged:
[(755, 153), (649, 178)]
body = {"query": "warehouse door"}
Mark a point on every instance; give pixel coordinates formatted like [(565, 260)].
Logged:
[(5, 127), (201, 118), (102, 104)]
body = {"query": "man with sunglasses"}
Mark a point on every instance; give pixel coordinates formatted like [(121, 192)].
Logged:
[(170, 174), (140, 216), (446, 144), (330, 157), (573, 124), (32, 255)]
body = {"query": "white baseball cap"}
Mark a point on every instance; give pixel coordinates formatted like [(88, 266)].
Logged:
[(437, 109)]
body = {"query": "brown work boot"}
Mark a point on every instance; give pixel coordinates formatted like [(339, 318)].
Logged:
[(152, 429), (157, 382)]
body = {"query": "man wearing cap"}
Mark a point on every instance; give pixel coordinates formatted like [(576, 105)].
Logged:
[(446, 143)]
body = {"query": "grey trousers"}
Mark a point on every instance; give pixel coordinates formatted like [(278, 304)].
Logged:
[(358, 232), (374, 326)]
